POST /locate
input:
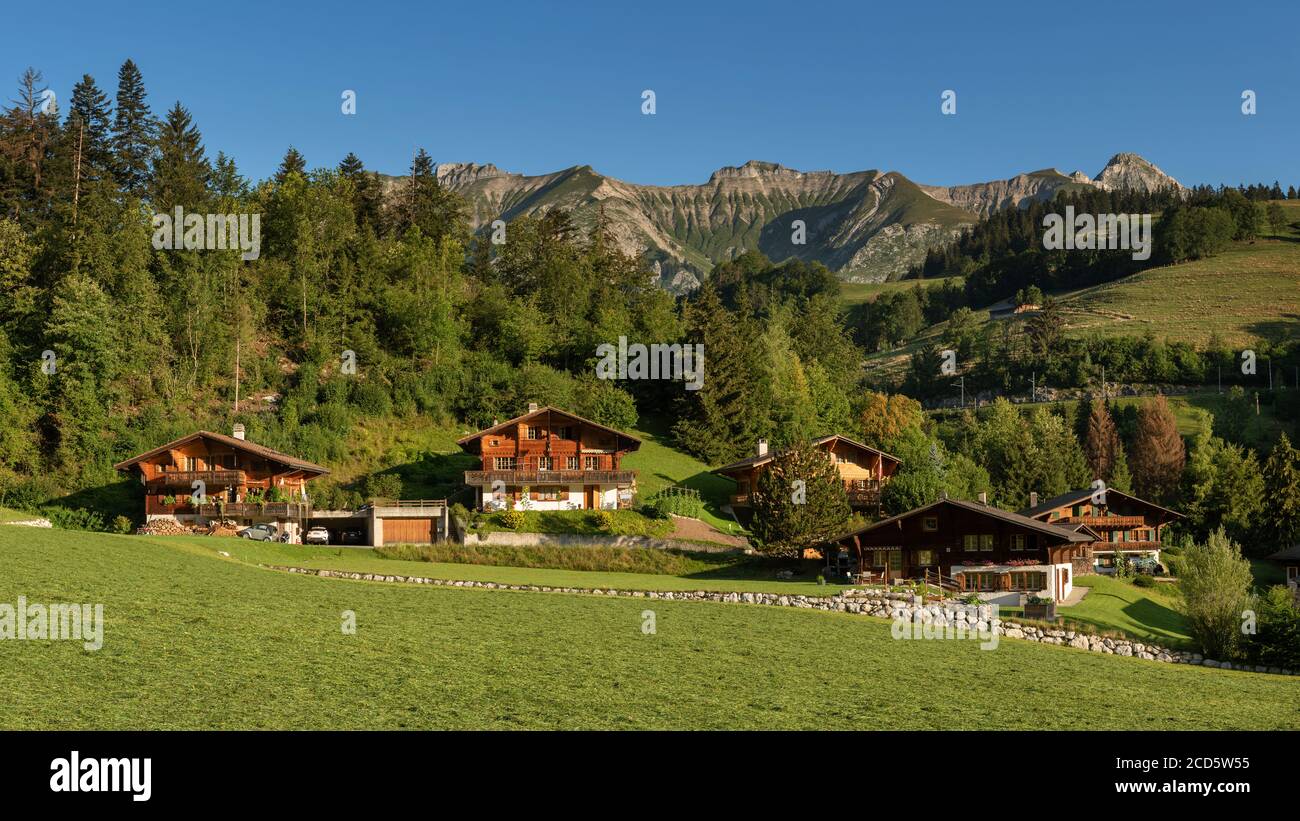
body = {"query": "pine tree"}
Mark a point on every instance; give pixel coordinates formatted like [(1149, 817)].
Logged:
[(366, 197), (800, 502), (722, 420), (1280, 520), (293, 163), (180, 171), (1158, 453), (1102, 445), (1120, 478), (135, 131), (425, 204), (89, 107)]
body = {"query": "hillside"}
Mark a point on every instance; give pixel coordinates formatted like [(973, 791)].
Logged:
[(869, 226), (196, 641), (1249, 291)]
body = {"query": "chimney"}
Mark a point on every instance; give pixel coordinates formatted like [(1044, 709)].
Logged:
[(1033, 498), (762, 447), (238, 432), (532, 407), (984, 498)]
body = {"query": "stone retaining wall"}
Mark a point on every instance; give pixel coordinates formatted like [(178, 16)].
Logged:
[(877, 603)]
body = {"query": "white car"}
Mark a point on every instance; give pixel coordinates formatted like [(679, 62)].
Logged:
[(317, 535)]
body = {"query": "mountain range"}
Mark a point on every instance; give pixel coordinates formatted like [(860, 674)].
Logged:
[(868, 226)]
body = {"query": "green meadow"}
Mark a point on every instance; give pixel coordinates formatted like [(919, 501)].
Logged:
[(197, 640)]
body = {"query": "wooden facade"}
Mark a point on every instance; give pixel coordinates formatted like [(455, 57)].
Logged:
[(970, 546), (1122, 522), (550, 459), (863, 469), (235, 479)]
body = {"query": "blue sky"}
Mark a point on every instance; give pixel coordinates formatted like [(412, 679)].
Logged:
[(536, 87)]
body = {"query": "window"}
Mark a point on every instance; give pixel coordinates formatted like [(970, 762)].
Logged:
[(986, 541), (544, 462), (980, 581), (190, 463), (591, 463), (925, 558), (1018, 541), (879, 558), (495, 443), (534, 433), (565, 432), (504, 462), (896, 561), (970, 543), (930, 523), (1028, 581), (570, 463), (547, 494)]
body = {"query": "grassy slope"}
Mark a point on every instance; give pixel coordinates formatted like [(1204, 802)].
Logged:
[(660, 466), (725, 578), (193, 642), (1145, 613), (1250, 291), (852, 293)]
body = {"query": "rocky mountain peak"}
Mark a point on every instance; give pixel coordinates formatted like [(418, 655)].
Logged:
[(463, 173), (1131, 172)]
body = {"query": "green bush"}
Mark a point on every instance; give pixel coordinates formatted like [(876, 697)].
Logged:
[(121, 524), (73, 518), (664, 505), (1144, 581), (513, 519), (383, 486), (604, 520)]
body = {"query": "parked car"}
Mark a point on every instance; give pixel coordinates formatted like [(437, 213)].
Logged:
[(352, 537), (1148, 567), (317, 535), (262, 533)]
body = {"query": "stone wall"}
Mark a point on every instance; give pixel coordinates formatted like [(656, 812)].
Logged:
[(513, 539), (877, 603)]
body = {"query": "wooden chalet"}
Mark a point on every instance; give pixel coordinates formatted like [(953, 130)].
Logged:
[(550, 459), (1290, 561), (237, 479), (966, 546), (1125, 523), (863, 469)]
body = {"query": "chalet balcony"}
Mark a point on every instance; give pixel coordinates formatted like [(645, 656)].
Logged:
[(269, 510), (1103, 522), (550, 477), (211, 478)]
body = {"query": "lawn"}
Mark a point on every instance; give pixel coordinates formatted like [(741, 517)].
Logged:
[(852, 293), (728, 574), (1145, 613), (580, 522), (660, 466), (192, 641)]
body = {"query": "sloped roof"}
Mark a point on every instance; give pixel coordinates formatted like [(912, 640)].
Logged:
[(1072, 497), (1065, 534), (1289, 554), (465, 441), (755, 460), (239, 444)]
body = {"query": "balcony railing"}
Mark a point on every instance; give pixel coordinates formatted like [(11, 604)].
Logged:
[(212, 478), (275, 510), (550, 477), (1104, 522)]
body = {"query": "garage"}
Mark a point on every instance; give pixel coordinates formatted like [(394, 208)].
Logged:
[(410, 531)]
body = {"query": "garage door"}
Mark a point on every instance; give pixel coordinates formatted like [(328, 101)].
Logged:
[(408, 531)]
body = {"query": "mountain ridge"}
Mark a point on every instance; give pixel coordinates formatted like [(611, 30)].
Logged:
[(867, 226)]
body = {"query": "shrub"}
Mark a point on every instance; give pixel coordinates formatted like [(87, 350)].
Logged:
[(604, 519), (1215, 582), (121, 524), (73, 518), (383, 486), (513, 519), (676, 504), (1276, 641), (1143, 581)]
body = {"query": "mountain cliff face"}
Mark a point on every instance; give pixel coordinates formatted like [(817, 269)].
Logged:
[(1130, 172), (868, 226)]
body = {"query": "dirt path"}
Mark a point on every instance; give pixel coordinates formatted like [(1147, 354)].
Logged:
[(699, 531)]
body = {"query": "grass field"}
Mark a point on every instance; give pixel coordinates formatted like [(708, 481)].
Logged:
[(1248, 292), (852, 293), (195, 641), (660, 466), (1142, 612)]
